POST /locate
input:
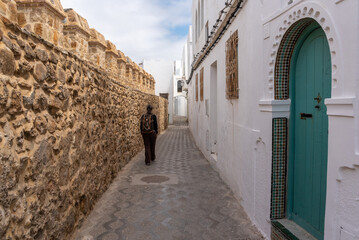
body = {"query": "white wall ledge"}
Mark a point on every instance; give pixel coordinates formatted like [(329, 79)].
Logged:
[(278, 108), (340, 107), (274, 105)]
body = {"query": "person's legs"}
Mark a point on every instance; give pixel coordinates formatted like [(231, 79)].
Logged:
[(153, 146), (147, 142)]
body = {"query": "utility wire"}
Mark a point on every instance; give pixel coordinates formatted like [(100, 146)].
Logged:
[(222, 14)]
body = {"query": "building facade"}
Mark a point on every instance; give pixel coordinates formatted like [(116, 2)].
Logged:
[(187, 55), (179, 90), (273, 104), (170, 84), (162, 70)]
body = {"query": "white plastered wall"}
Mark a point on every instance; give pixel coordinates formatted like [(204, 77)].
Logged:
[(162, 71), (245, 125)]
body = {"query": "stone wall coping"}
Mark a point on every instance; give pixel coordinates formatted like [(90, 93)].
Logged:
[(97, 43), (97, 37), (129, 65), (121, 54), (76, 22), (112, 53), (74, 18), (16, 28), (41, 3), (111, 46), (129, 60), (76, 28), (135, 66), (120, 59)]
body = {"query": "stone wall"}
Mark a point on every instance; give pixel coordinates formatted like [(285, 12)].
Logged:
[(66, 129), (65, 28)]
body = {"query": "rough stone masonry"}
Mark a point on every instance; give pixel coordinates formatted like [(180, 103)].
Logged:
[(67, 125)]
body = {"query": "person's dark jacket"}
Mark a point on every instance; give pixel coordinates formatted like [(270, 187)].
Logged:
[(154, 120)]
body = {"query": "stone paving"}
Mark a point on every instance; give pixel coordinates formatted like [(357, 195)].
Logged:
[(178, 197)]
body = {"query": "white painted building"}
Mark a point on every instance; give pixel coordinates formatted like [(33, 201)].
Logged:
[(187, 54), (179, 91), (273, 105), (162, 71)]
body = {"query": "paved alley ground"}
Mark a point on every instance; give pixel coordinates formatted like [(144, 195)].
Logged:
[(178, 197)]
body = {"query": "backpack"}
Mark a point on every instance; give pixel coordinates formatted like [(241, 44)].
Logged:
[(147, 124)]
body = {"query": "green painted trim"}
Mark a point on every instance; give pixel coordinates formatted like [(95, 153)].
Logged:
[(307, 227), (284, 231)]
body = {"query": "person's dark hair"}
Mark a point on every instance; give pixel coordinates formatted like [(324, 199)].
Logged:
[(149, 107)]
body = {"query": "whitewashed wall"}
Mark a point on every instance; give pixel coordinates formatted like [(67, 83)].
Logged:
[(162, 71), (187, 54), (179, 98), (244, 126)]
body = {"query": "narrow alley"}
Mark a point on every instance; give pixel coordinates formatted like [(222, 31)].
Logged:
[(179, 196), (254, 105)]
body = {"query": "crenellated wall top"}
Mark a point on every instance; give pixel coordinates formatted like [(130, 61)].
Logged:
[(111, 48), (76, 21), (122, 56), (129, 62), (53, 5), (97, 38), (68, 31)]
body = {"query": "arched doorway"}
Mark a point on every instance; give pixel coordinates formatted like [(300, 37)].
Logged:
[(300, 143), (310, 84)]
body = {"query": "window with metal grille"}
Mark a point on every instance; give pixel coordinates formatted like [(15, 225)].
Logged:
[(179, 86), (164, 95), (232, 67)]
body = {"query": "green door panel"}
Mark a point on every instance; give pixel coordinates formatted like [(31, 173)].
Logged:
[(310, 86)]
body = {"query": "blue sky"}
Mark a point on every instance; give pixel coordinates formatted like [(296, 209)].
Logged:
[(179, 31), (142, 29)]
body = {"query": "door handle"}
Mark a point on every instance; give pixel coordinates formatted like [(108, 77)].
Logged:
[(305, 116), (318, 98)]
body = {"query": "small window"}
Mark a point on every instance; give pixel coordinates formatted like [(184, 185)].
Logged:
[(207, 32), (179, 86), (196, 87), (164, 95), (207, 107), (201, 83), (232, 67)]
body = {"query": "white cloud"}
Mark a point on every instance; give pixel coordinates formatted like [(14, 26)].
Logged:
[(142, 29)]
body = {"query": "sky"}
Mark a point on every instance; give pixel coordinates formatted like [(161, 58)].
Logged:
[(142, 29)]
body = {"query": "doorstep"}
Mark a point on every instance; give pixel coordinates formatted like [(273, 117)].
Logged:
[(285, 229)]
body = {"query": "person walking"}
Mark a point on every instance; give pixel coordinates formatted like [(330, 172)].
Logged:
[(149, 131)]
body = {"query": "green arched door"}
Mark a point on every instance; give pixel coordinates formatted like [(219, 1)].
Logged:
[(310, 86)]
